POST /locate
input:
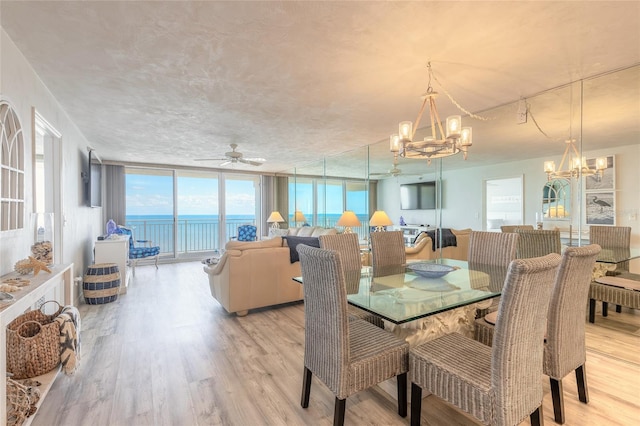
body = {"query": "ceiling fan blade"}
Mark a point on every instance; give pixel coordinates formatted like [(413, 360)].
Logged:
[(250, 161), (225, 163), (209, 159)]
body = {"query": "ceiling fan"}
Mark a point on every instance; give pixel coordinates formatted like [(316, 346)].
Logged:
[(394, 171), (234, 157)]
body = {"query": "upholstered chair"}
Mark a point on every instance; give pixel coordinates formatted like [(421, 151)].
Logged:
[(513, 228), (347, 355), (498, 385), (615, 238), (147, 249), (387, 253), (564, 348), (348, 247), (537, 242)]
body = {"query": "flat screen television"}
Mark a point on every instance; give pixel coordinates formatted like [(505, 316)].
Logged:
[(94, 177), (418, 196)]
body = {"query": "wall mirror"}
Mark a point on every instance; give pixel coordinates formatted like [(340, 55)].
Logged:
[(556, 200), (503, 202)]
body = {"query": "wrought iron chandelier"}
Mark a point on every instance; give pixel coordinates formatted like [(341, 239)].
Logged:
[(440, 143)]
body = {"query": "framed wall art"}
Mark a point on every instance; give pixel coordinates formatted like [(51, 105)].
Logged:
[(606, 182), (600, 208)]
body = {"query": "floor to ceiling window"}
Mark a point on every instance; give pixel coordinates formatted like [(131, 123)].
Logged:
[(150, 206), (181, 210), (322, 201)]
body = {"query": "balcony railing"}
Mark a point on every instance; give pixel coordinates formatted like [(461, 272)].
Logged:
[(203, 235), (194, 235)]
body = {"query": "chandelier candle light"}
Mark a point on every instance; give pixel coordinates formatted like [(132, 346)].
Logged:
[(576, 165), (443, 144), (348, 219), (275, 218)]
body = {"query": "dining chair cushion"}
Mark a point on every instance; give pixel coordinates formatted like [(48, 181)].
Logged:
[(491, 317), (620, 282)]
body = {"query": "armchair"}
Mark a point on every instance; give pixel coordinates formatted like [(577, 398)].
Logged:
[(137, 253)]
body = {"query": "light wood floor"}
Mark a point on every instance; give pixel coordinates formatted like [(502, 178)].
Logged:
[(167, 353)]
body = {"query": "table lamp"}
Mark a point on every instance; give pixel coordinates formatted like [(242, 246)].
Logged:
[(348, 219), (274, 219), (379, 219), (298, 216)]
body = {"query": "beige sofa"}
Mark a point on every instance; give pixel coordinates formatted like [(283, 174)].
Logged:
[(256, 274), (422, 248), (303, 231)]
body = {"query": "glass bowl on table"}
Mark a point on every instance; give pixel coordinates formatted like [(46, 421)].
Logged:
[(431, 270)]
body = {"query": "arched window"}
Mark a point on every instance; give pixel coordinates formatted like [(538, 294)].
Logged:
[(11, 169)]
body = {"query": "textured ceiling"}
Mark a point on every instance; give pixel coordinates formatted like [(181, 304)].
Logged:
[(169, 82)]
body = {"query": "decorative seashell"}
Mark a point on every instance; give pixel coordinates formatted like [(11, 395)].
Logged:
[(43, 251), (23, 267)]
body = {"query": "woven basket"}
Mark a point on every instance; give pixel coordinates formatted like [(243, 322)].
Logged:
[(101, 283), (33, 344), (19, 404)]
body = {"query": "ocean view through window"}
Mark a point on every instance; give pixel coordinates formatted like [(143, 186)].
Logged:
[(179, 210)]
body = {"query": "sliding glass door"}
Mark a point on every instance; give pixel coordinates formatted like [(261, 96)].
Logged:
[(240, 203), (180, 210)]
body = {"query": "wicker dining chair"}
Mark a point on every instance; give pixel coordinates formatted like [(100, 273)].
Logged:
[(537, 242), (348, 247), (346, 355), (387, 253), (564, 348), (491, 251), (498, 385), (514, 228), (609, 238)]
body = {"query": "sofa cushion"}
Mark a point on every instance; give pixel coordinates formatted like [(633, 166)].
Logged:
[(277, 232), (323, 231), (293, 241), (306, 231), (251, 245)]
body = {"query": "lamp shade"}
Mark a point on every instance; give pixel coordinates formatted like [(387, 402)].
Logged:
[(380, 218), (299, 217), (349, 219), (275, 217)]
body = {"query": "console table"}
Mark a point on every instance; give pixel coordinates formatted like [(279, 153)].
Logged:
[(57, 285)]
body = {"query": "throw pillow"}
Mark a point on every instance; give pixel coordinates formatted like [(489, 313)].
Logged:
[(293, 242)]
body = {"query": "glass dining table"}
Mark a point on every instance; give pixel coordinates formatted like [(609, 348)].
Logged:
[(418, 308), (609, 259)]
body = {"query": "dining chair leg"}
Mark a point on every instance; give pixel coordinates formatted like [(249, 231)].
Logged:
[(338, 413), (558, 400), (306, 387), (536, 417), (605, 309), (581, 380), (402, 394), (416, 404), (592, 310)]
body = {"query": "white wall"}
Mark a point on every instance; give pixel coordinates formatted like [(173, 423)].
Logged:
[(20, 85), (464, 194)]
